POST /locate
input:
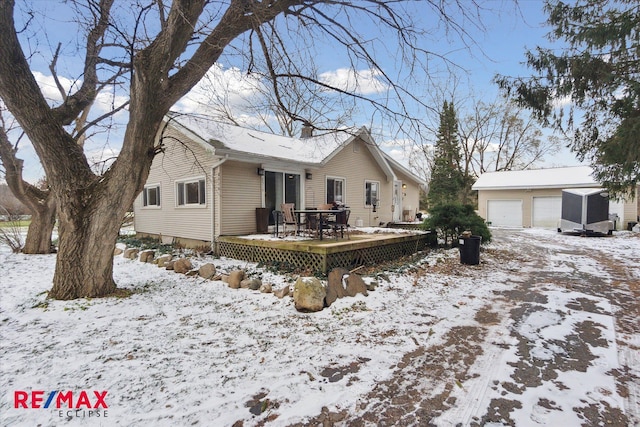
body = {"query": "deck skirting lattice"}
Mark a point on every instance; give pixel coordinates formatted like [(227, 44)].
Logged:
[(322, 259)]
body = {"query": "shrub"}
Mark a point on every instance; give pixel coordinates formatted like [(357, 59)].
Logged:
[(146, 243), (451, 220)]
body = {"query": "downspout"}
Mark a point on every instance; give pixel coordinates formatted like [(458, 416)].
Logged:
[(214, 204)]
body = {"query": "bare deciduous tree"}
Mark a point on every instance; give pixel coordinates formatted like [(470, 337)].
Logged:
[(501, 136), (39, 201), (163, 50)]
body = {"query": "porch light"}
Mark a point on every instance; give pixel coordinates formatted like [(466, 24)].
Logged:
[(260, 171), (308, 175)]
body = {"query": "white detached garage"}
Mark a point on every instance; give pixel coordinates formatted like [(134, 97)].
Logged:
[(533, 198)]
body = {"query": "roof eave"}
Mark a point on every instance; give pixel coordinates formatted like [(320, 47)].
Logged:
[(536, 187)]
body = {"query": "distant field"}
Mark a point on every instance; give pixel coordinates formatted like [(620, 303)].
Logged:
[(21, 223)]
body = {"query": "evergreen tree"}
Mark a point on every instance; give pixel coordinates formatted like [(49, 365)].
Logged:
[(447, 179), (598, 71)]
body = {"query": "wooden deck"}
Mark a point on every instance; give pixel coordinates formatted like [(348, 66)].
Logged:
[(321, 256)]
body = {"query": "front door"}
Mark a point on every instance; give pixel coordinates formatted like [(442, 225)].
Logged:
[(279, 188), (397, 201)]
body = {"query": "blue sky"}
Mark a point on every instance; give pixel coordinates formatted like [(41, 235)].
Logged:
[(500, 48)]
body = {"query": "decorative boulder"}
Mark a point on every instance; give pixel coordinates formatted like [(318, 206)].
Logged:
[(169, 265), (131, 253), (208, 271), (253, 284), (117, 251), (355, 285), (282, 292), (235, 277), (266, 288), (147, 256), (163, 260), (309, 294), (183, 265), (335, 286)]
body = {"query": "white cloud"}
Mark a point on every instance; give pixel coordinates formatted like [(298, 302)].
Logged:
[(49, 89), (105, 100), (365, 82), (228, 87)]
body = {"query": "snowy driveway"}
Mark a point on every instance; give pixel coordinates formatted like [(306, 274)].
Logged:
[(543, 333), (559, 346)]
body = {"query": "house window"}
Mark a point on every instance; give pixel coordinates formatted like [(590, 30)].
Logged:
[(191, 192), (371, 193), (151, 195), (335, 190)]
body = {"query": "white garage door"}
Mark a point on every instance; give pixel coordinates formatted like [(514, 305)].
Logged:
[(505, 213), (546, 212)]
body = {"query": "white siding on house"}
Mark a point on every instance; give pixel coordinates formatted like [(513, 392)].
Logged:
[(177, 163), (234, 189), (240, 196), (356, 167)]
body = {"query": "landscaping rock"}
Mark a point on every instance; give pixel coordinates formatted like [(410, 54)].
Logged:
[(371, 286), (282, 292), (208, 271), (335, 286), (169, 265), (253, 284), (235, 277), (117, 251), (182, 266), (191, 273), (147, 256), (309, 294), (355, 285), (131, 253), (266, 288), (163, 260)]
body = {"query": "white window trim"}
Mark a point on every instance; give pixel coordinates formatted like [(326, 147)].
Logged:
[(370, 181), (344, 187), (147, 187), (188, 181)]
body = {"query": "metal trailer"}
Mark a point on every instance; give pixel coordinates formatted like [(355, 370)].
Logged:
[(585, 211)]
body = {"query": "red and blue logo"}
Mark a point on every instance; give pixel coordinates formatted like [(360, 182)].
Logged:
[(83, 403)]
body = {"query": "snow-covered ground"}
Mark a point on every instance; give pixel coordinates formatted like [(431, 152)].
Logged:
[(186, 351)]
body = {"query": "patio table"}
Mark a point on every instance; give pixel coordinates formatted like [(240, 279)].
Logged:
[(320, 213)]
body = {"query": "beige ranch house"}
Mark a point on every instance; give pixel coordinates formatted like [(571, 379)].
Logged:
[(533, 198), (211, 177)]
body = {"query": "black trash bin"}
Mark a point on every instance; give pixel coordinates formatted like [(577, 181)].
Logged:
[(469, 249), (262, 220)]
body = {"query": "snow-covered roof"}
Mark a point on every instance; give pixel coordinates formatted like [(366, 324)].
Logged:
[(566, 177), (226, 139)]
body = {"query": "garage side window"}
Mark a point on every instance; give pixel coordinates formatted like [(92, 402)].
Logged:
[(191, 192), (151, 195)]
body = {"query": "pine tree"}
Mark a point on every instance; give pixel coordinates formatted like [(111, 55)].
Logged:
[(598, 70), (447, 179)]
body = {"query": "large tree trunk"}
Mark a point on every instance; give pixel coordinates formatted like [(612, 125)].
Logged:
[(40, 202), (43, 219), (87, 236), (90, 208)]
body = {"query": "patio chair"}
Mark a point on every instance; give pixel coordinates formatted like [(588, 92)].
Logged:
[(342, 223), (289, 218), (327, 223)]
